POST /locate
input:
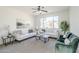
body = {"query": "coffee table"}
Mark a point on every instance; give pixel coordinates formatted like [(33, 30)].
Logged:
[(43, 37)]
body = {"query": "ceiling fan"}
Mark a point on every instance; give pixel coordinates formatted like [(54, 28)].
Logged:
[(39, 10)]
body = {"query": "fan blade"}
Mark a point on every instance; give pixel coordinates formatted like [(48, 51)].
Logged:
[(34, 9), (44, 10)]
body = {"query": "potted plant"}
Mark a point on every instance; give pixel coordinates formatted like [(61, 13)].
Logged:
[(64, 25)]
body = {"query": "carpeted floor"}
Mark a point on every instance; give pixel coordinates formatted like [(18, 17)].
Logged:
[(30, 46)]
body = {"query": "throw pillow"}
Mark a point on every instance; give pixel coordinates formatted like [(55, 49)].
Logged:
[(69, 35), (30, 30), (64, 36), (66, 41)]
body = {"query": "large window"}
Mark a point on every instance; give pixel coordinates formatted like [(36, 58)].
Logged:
[(49, 22)]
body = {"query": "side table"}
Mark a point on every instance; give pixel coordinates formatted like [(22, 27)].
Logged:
[(4, 40), (11, 37), (8, 39)]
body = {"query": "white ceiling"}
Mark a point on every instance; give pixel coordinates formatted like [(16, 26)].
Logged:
[(48, 8)]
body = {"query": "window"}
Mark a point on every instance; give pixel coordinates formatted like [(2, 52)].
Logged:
[(49, 22)]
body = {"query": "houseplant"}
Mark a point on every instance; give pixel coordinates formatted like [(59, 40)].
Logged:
[(64, 25)]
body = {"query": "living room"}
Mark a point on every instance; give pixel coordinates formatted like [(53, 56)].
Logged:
[(25, 29)]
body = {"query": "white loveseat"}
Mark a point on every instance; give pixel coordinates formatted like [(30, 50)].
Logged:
[(52, 33), (22, 34)]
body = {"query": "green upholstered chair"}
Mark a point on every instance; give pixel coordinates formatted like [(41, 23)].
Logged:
[(61, 47)]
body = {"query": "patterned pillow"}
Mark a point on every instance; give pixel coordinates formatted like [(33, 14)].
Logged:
[(30, 30), (67, 41), (67, 35)]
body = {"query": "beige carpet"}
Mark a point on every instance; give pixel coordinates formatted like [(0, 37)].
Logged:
[(30, 46)]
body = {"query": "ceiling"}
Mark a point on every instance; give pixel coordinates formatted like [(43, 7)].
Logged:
[(48, 8)]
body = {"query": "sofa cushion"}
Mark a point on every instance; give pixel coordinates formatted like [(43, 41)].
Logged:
[(24, 31), (18, 32), (24, 36), (21, 31)]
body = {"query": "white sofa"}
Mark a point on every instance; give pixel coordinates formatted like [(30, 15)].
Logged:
[(52, 33), (22, 34)]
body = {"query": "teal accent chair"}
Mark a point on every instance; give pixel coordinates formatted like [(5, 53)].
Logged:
[(61, 47)]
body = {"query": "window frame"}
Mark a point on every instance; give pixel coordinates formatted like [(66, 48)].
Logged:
[(44, 18)]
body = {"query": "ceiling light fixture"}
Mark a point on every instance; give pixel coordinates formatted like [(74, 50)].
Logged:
[(39, 10)]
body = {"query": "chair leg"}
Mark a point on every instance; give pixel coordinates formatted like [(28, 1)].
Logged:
[(55, 49), (5, 42)]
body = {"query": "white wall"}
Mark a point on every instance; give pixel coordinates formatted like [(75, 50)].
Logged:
[(9, 15), (63, 15), (74, 20)]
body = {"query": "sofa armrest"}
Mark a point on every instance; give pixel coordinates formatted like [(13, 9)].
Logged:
[(61, 47), (62, 44)]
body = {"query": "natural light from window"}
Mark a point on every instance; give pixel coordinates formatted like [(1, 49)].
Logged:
[(49, 22)]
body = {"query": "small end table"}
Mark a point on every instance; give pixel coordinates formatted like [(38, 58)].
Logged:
[(9, 37)]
